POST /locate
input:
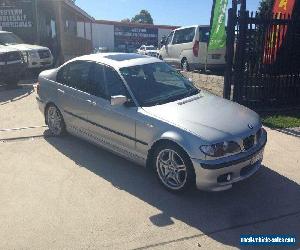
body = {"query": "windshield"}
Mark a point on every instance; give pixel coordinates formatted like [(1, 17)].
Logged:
[(9, 38), (157, 83), (150, 48)]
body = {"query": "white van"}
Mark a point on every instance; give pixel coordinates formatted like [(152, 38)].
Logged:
[(187, 47)]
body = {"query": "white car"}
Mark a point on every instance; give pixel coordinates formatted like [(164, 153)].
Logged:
[(148, 51), (36, 57), (186, 47)]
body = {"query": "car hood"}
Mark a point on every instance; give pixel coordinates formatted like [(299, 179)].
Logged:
[(209, 117), (27, 47), (5, 49)]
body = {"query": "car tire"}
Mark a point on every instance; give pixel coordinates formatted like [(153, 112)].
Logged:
[(185, 65), (173, 168), (55, 121)]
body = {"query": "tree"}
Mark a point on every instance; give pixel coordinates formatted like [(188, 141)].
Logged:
[(125, 20), (266, 7), (143, 17)]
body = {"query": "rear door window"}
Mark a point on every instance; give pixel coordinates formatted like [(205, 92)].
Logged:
[(184, 35), (77, 75)]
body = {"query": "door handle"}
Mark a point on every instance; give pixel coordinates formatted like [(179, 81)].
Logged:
[(91, 102), (61, 91)]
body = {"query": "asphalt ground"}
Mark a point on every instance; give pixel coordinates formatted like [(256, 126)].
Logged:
[(64, 193)]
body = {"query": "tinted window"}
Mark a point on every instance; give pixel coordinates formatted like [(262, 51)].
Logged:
[(184, 36), (98, 80), (77, 75), (114, 83)]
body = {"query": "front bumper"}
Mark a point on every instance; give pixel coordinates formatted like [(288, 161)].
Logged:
[(221, 176), (11, 70)]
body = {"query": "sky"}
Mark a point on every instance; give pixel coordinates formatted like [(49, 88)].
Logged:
[(168, 12)]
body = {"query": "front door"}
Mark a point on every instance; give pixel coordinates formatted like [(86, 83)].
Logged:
[(113, 125)]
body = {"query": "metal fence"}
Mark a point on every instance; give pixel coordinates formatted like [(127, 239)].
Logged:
[(263, 59)]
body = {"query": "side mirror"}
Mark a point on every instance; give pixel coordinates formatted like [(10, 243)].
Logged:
[(118, 100)]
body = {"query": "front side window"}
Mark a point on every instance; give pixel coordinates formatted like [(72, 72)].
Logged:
[(114, 83), (157, 83), (184, 35), (107, 82)]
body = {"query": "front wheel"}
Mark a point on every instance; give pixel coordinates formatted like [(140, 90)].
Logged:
[(55, 121), (174, 168)]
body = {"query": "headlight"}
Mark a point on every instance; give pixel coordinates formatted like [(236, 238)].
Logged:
[(33, 54), (221, 149), (24, 56)]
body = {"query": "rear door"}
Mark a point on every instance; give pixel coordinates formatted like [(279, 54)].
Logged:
[(74, 94)]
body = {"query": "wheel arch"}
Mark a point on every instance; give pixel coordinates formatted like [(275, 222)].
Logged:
[(167, 138), (46, 108)]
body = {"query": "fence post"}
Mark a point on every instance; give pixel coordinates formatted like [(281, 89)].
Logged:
[(229, 53), (240, 57)]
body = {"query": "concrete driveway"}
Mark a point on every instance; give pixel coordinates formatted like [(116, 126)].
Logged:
[(63, 193)]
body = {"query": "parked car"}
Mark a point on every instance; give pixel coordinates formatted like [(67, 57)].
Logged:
[(148, 51), (186, 47), (36, 57), (11, 65), (100, 50), (144, 110)]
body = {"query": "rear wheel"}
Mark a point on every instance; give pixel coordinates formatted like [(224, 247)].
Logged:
[(173, 168), (55, 121)]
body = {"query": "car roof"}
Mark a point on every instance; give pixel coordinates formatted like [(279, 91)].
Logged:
[(3, 31), (118, 60), (192, 26)]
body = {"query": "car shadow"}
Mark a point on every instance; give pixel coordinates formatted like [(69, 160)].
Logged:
[(265, 198), (13, 95)]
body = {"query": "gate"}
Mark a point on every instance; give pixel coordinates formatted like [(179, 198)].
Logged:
[(263, 59)]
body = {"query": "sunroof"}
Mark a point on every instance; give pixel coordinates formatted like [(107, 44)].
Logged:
[(124, 57)]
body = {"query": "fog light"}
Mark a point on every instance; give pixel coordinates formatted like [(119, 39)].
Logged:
[(225, 178)]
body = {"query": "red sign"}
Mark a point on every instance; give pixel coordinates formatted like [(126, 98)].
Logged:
[(282, 9)]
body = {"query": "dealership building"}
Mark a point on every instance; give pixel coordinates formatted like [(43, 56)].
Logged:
[(69, 31), (121, 36)]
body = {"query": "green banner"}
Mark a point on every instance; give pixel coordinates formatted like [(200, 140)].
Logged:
[(218, 33)]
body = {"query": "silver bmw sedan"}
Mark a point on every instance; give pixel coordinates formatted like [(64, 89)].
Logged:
[(144, 110)]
